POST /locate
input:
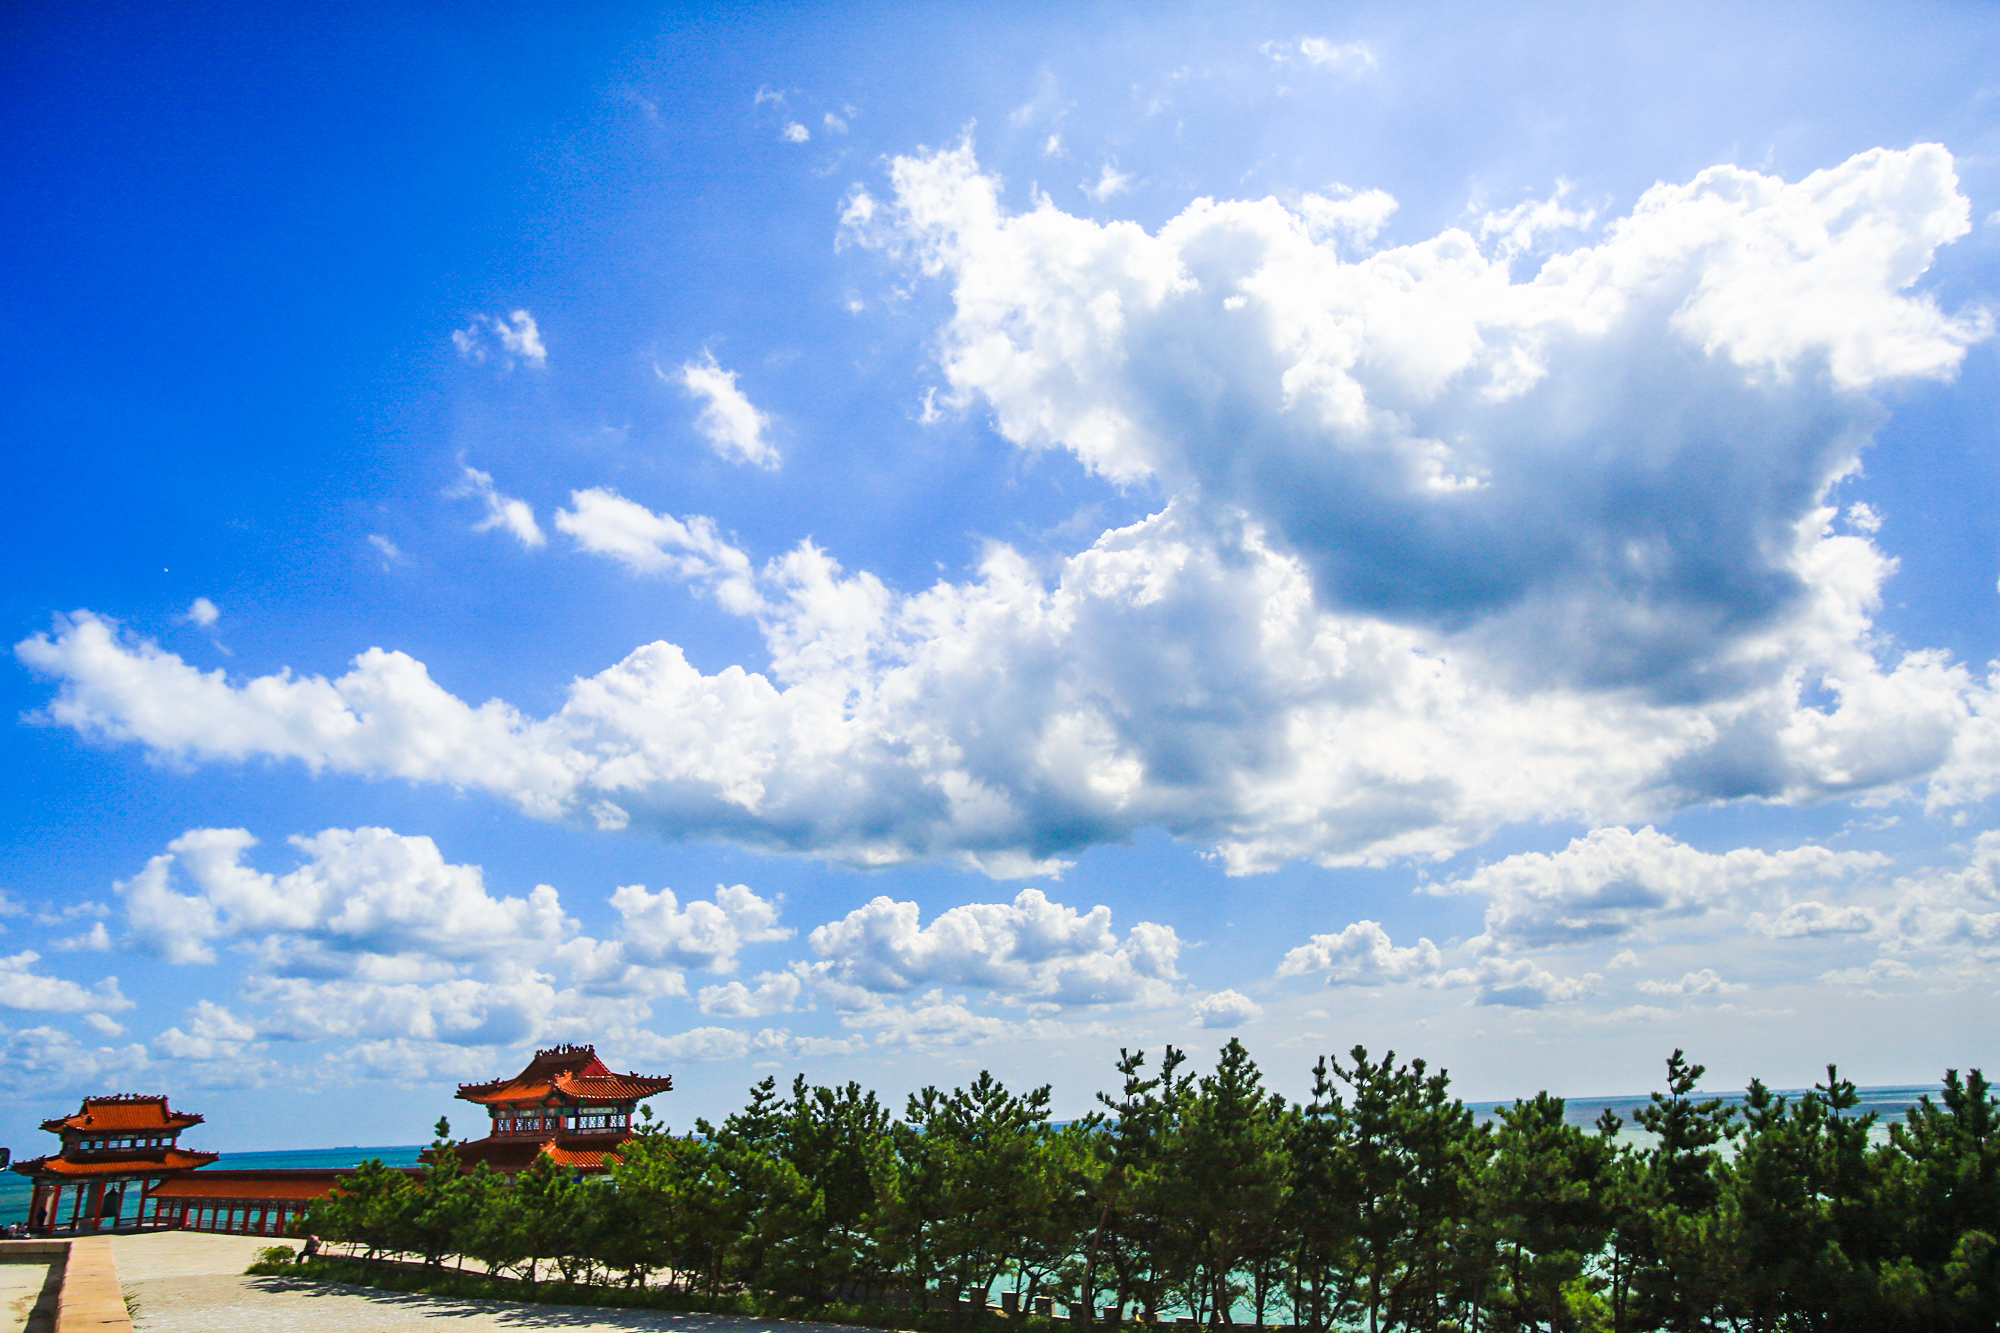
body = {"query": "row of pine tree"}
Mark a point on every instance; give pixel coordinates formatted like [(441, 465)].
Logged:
[(1379, 1204)]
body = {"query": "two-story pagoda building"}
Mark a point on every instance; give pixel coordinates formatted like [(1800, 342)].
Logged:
[(566, 1105), (115, 1152)]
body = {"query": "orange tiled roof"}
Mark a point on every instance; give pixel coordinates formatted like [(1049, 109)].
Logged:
[(284, 1185), (573, 1073), (142, 1162), (509, 1155), (130, 1112)]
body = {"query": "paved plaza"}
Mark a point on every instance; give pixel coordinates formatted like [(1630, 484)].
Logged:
[(188, 1282), (24, 1306)]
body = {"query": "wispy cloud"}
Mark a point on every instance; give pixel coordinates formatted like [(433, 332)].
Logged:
[(733, 426), (513, 340), (1350, 58), (515, 517), (1110, 181)]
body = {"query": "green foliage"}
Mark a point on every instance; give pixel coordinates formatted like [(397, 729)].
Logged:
[(1379, 1204), (1544, 1217)]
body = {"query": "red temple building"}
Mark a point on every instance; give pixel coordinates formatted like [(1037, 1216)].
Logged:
[(115, 1152), (121, 1164), (565, 1105)]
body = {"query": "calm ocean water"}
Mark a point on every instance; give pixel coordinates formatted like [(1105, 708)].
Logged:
[(1889, 1103)]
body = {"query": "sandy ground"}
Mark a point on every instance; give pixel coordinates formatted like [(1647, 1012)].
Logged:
[(187, 1282), (20, 1291)]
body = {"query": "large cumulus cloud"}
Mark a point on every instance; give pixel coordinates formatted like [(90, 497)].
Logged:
[(375, 935), (1604, 465), (1438, 550)]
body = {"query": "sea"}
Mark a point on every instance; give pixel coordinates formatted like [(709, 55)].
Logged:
[(1889, 1104)]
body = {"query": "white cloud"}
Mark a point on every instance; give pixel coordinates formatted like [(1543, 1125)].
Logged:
[(1414, 392), (512, 516), (512, 1007), (48, 917), (97, 939), (512, 340), (1514, 231), (720, 1043), (933, 1019), (1951, 915), (1031, 949), (1109, 181), (365, 891), (705, 1043), (834, 124), (1519, 983), (776, 993), (972, 720), (407, 1060), (1350, 58), (1811, 919), (605, 523), (202, 612), (391, 553), (731, 424), (1362, 955), (376, 937), (1704, 982), (21, 987), (1343, 214), (1615, 882), (1225, 1009), (48, 1057), (701, 935), (1395, 601), (1879, 972), (793, 132), (214, 1034)]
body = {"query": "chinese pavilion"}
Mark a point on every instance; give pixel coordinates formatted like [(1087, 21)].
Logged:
[(112, 1149), (565, 1105)]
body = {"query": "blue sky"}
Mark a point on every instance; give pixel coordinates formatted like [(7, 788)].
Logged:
[(898, 542)]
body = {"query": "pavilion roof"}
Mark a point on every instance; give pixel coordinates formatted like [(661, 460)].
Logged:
[(578, 1152), (263, 1186), (128, 1112), (138, 1162), (570, 1073)]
